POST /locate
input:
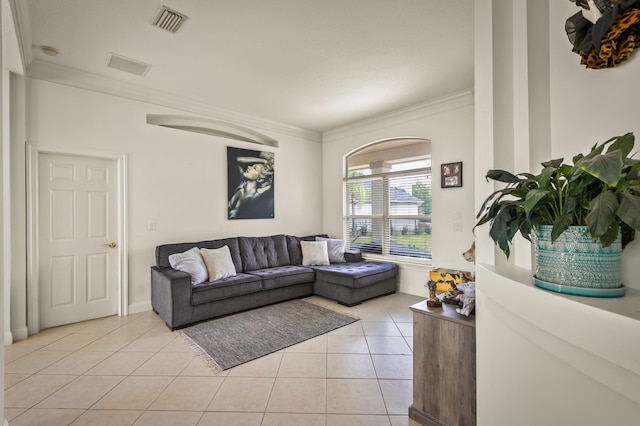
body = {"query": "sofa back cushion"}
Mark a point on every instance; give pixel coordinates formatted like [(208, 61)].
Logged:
[(164, 251), (295, 252), (263, 252)]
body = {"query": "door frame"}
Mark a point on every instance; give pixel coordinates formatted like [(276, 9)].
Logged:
[(33, 152)]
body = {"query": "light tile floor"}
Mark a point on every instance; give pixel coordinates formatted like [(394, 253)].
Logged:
[(133, 370)]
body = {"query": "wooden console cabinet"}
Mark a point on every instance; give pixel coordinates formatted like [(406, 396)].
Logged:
[(444, 367)]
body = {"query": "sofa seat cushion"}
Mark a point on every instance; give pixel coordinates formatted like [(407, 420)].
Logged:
[(356, 275), (282, 276), (225, 288)]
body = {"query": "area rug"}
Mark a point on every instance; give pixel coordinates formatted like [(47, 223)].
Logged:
[(235, 339)]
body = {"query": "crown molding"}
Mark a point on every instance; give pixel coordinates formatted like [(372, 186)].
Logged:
[(54, 73), (413, 112), (20, 15)]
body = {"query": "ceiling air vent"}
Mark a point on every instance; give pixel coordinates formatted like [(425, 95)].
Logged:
[(168, 19), (128, 65)]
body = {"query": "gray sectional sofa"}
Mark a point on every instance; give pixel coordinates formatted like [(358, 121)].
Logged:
[(268, 270)]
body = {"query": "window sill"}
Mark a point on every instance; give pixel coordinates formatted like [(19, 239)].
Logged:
[(403, 261)]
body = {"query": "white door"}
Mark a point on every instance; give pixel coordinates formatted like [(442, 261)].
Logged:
[(78, 252)]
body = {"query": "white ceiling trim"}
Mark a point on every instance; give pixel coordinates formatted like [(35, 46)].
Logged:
[(413, 112), (22, 30), (76, 78)]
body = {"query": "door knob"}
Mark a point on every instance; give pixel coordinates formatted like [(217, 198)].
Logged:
[(112, 245)]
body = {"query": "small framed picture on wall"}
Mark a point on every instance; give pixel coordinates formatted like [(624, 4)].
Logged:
[(451, 175)]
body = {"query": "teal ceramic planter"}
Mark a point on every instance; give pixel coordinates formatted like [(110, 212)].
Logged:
[(575, 264)]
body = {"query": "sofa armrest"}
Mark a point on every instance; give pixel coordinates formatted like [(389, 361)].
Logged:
[(352, 256), (171, 295)]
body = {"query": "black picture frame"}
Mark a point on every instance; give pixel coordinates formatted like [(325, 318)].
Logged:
[(451, 175), (250, 178)]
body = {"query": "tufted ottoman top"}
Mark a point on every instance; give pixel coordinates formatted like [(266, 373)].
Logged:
[(356, 275)]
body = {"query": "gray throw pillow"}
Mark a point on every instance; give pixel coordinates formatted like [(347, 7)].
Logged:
[(190, 262), (335, 249)]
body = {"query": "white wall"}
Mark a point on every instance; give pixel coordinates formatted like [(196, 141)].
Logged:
[(177, 179), (589, 106), (449, 124), (542, 357)]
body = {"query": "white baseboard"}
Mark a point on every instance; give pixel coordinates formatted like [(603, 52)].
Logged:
[(415, 289), (8, 338), (136, 308), (20, 333)]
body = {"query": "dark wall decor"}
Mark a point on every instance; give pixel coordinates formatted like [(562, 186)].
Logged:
[(250, 183), (451, 175), (604, 32)]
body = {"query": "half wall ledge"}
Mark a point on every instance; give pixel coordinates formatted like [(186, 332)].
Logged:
[(211, 127), (571, 355)]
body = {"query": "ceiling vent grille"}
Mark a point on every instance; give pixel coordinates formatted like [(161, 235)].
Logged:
[(169, 20), (128, 65)]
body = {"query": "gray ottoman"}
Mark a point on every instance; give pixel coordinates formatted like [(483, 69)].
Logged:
[(352, 283)]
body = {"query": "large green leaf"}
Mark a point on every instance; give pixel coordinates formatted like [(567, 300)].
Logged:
[(565, 169), (570, 203), (624, 143), (525, 229), (610, 236), (544, 178), (553, 163), (576, 174), (488, 216), (602, 214), (494, 202), (635, 189), (532, 199), (629, 210), (560, 225), (634, 174), (499, 230), (606, 167), (577, 158), (502, 176), (595, 150)]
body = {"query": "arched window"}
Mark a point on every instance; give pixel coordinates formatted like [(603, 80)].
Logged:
[(388, 198)]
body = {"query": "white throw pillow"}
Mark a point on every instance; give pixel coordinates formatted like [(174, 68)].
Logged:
[(219, 263), (335, 248), (314, 253), (190, 262)]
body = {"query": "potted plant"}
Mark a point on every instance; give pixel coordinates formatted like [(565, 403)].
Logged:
[(596, 198)]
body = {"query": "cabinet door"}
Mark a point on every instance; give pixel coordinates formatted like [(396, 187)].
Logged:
[(444, 384)]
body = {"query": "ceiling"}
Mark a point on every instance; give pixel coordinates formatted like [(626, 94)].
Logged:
[(311, 64)]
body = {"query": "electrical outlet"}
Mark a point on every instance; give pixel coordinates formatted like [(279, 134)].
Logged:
[(151, 226)]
